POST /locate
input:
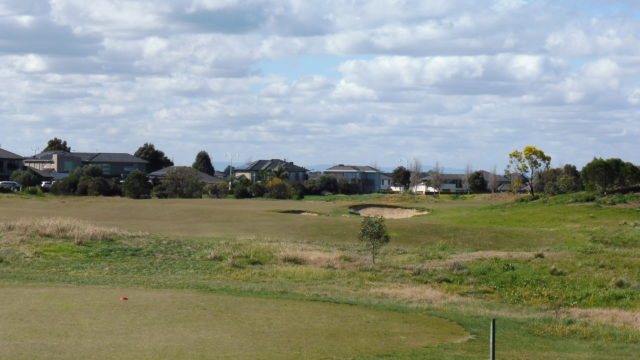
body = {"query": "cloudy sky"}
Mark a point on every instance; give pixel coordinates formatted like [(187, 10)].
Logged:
[(324, 82)]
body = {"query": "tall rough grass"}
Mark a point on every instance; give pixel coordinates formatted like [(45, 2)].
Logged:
[(65, 228)]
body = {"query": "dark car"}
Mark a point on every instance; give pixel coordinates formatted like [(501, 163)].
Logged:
[(14, 186)]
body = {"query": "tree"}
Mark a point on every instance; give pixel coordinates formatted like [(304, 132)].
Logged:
[(373, 232), (137, 186), (56, 144), (25, 177), (468, 170), (86, 180), (241, 188), (156, 158), (436, 177), (605, 175), (527, 163), (278, 189), (477, 183), (416, 173), (203, 163), (598, 175), (401, 177), (182, 182), (280, 172), (328, 183)]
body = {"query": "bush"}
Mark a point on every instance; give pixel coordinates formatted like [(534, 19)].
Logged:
[(25, 177), (219, 190), (241, 188), (115, 187), (180, 183), (137, 186), (278, 189), (33, 190), (257, 190)]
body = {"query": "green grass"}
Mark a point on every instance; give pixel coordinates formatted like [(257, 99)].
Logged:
[(247, 248), (42, 322)]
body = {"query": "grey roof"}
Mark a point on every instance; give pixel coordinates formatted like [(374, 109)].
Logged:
[(206, 178), (265, 165), (4, 154), (92, 157), (485, 174), (352, 168)]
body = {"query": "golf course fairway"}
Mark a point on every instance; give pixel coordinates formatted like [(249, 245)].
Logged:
[(66, 322)]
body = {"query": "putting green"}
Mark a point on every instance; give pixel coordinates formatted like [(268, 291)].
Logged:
[(60, 322)]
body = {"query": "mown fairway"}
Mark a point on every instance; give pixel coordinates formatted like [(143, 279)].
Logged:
[(91, 322), (560, 275)]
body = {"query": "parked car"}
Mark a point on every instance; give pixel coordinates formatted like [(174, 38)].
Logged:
[(14, 186), (47, 184)]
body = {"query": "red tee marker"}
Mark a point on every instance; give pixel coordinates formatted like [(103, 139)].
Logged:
[(124, 298)]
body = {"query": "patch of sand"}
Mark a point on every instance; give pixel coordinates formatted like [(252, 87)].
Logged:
[(389, 212)]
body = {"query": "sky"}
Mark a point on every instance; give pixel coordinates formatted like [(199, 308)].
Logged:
[(360, 82)]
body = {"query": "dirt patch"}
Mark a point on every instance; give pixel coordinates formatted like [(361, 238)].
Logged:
[(386, 211), (631, 205)]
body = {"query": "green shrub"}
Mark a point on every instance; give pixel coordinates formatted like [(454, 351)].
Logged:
[(33, 190), (181, 182), (25, 177), (278, 189), (137, 186), (241, 188)]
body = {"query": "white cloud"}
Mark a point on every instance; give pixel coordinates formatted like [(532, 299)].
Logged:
[(350, 91), (422, 75)]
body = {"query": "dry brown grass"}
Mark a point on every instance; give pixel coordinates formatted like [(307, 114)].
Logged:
[(64, 228), (316, 256), (419, 294), (480, 255), (630, 319)]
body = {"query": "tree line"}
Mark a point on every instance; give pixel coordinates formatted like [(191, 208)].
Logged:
[(528, 168)]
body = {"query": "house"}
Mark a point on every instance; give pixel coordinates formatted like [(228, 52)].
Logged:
[(369, 177), (63, 162), (263, 170), (9, 162), (455, 184), (205, 178), (385, 181)]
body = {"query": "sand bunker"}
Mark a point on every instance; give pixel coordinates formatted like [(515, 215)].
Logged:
[(387, 212), (299, 212)]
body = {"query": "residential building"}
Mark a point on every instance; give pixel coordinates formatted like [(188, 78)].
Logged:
[(62, 162), (369, 177), (455, 184), (9, 162), (205, 178), (385, 181), (263, 170)]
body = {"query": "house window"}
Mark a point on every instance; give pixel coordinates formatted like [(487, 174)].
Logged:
[(1, 165), (106, 169), (13, 165), (68, 166)]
